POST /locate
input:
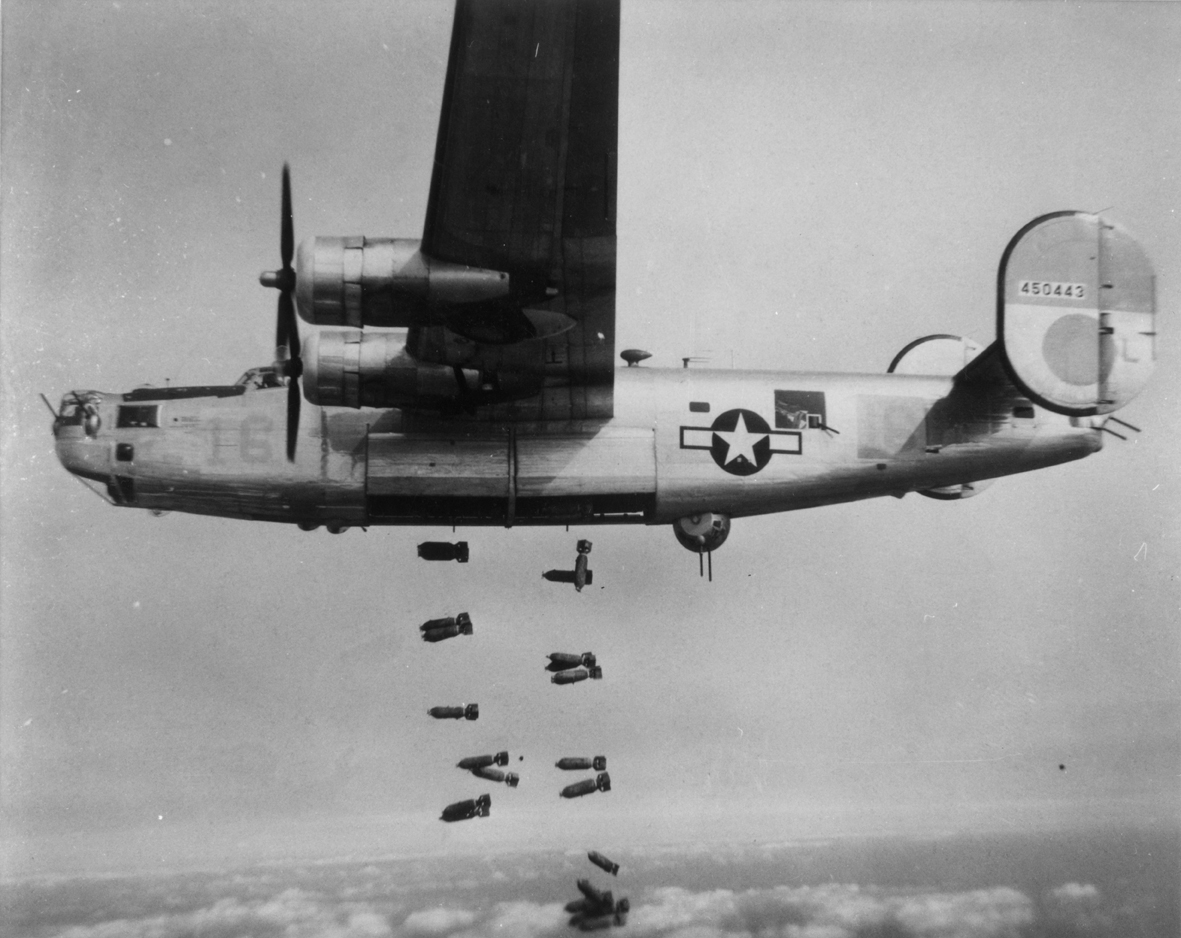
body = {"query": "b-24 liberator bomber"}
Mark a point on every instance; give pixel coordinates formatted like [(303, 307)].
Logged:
[(468, 377)]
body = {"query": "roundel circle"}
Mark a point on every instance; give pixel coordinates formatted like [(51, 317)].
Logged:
[(1071, 348), (741, 442)]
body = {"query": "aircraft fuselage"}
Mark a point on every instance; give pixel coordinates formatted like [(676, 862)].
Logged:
[(681, 442)]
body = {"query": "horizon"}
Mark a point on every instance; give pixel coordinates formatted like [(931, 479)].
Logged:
[(972, 886)]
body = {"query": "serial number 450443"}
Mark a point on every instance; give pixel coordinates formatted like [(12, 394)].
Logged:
[(1075, 291)]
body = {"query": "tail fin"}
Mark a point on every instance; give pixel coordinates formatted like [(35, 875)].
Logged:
[(1076, 313)]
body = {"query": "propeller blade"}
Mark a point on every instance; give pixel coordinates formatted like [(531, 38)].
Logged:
[(287, 226), (293, 400), (287, 361), (286, 330), (280, 325)]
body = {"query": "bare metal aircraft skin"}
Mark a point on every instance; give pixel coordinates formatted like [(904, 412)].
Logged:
[(484, 391)]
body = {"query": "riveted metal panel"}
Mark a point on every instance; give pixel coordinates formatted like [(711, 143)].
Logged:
[(431, 466), (610, 462)]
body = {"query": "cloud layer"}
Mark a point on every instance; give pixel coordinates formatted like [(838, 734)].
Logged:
[(823, 911), (834, 911), (970, 887)]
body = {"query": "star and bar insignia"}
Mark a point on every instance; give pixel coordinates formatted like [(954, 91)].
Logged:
[(741, 442)]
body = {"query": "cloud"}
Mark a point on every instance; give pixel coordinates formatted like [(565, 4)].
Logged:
[(292, 913), (437, 921), (833, 911), (1075, 892), (1075, 909), (373, 902), (524, 919)]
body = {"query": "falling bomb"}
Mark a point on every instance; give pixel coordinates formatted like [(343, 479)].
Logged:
[(462, 712), (569, 763), (480, 762), (436, 630), (562, 661), (601, 782), (573, 677), (603, 863), (463, 810)]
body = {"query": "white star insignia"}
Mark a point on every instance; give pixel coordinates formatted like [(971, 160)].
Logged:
[(740, 442)]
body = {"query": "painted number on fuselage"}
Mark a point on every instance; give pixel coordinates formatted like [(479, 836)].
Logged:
[(251, 435)]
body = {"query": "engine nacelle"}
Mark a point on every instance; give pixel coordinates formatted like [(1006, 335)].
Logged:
[(351, 368), (705, 532), (358, 281)]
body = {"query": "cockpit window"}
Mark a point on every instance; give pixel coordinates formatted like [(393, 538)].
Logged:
[(138, 415), (76, 405), (70, 415), (257, 379)]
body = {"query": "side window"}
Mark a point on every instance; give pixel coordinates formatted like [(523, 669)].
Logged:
[(138, 415), (800, 410)]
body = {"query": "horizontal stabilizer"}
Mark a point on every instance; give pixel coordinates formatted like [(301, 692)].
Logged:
[(934, 355), (1076, 313)]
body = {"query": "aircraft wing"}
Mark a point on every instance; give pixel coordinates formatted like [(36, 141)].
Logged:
[(524, 182)]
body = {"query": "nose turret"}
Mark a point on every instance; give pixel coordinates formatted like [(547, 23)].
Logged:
[(77, 433)]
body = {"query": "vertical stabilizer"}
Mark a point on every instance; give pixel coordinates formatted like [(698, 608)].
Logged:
[(1076, 313)]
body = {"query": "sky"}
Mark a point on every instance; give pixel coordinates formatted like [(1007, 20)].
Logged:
[(801, 187)]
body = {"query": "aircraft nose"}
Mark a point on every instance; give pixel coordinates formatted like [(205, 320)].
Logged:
[(81, 455), (77, 424)]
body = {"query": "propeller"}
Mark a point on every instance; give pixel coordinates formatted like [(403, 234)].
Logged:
[(287, 360)]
